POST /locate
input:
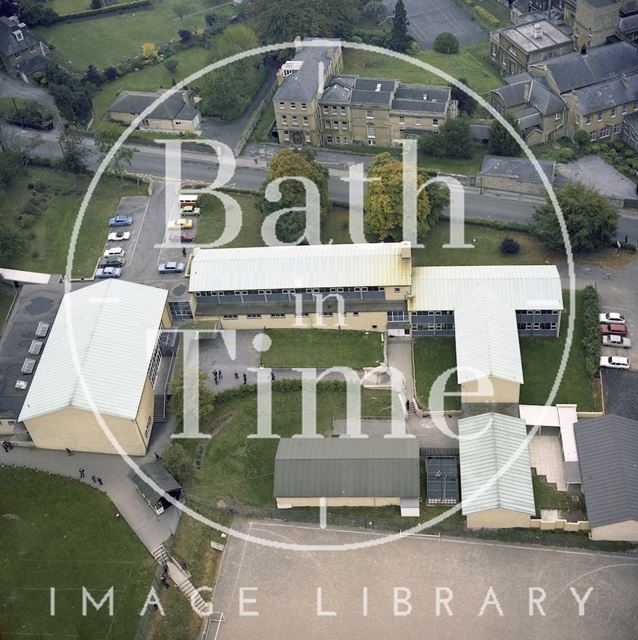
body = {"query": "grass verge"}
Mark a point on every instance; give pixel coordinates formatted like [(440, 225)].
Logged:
[(433, 356)]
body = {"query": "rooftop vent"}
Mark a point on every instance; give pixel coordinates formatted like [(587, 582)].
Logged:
[(21, 384), (42, 330), (378, 87), (27, 366), (538, 31), (35, 348), (291, 66), (19, 36), (425, 96)]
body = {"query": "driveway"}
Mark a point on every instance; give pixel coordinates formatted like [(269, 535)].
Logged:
[(428, 18), (17, 89), (595, 172)]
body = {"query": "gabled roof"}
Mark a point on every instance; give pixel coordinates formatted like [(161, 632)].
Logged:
[(174, 107), (307, 266), (156, 472), (575, 70), (519, 286), (606, 95), (608, 458), (486, 339), (112, 327), (521, 168), (531, 92), (347, 467), (495, 466), (9, 44)]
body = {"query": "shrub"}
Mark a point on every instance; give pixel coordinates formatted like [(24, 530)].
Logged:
[(509, 246), (178, 462), (487, 17), (446, 43), (591, 343), (628, 246), (566, 155)]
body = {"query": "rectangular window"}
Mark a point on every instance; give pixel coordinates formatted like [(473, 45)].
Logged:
[(557, 116), (401, 119), (617, 128), (624, 109), (592, 137), (295, 121), (325, 108), (345, 140), (329, 139), (284, 119), (335, 124), (417, 122), (338, 140), (588, 120), (342, 110), (286, 136), (307, 136), (327, 124), (277, 315), (305, 121), (253, 316), (613, 112), (435, 122), (600, 116), (303, 106), (369, 114), (282, 105), (344, 124), (371, 132), (604, 132), (230, 316), (293, 105), (334, 109)]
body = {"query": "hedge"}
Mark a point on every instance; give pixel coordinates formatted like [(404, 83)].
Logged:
[(113, 8), (592, 341), (293, 384)]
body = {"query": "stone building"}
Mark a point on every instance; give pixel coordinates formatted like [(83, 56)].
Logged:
[(22, 53)]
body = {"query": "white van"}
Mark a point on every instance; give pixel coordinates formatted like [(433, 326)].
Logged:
[(187, 199), (115, 251)]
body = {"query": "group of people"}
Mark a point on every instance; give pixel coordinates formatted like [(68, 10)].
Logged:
[(7, 446), (94, 479)]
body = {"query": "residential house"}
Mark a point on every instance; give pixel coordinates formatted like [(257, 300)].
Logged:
[(176, 114), (22, 53), (515, 48), (594, 22)]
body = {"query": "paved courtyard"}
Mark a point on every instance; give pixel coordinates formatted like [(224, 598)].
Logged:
[(285, 584), (594, 171), (428, 18), (546, 458)]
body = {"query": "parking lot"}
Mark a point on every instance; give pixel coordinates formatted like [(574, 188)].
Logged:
[(428, 18), (286, 584)]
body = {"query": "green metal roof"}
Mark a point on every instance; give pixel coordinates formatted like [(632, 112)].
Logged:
[(495, 466), (347, 467)]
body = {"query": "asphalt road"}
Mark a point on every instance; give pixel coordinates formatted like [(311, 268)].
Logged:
[(251, 172)]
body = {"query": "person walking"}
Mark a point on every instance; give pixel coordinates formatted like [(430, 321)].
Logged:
[(245, 379), (236, 376), (94, 479), (68, 452), (99, 481), (81, 473)]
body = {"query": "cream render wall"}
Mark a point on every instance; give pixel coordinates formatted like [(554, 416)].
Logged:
[(285, 503), (156, 124), (502, 391), (624, 531), (497, 519)]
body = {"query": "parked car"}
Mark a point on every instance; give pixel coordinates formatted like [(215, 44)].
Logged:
[(108, 272), (180, 223), (617, 329), (116, 236), (120, 221), (184, 236), (112, 261), (114, 251), (614, 362), (616, 341), (616, 318), (190, 210), (171, 267)]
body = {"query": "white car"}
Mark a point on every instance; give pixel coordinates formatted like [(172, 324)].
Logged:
[(616, 341), (115, 251), (116, 236), (612, 317), (614, 362)]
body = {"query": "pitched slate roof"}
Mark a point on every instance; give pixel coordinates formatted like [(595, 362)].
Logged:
[(174, 107), (9, 44), (531, 92), (495, 466), (608, 458), (520, 168), (575, 70), (606, 95), (347, 467), (158, 474)]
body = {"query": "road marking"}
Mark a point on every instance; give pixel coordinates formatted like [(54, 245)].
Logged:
[(323, 513), (139, 231)]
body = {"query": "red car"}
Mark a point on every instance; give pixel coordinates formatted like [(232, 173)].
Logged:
[(613, 329), (184, 236)]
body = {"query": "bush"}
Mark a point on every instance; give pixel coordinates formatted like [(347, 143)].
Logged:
[(628, 246), (509, 246), (566, 155), (178, 462), (591, 343), (446, 43)]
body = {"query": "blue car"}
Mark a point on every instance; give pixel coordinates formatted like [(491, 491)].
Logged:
[(120, 221)]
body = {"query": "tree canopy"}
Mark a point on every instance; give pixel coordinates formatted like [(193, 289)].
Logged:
[(446, 43), (287, 163), (383, 207), (206, 398), (591, 221), (453, 141), (466, 103), (501, 142), (399, 39)]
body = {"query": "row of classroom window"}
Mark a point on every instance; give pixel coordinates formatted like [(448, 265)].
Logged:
[(449, 326), (252, 292), (257, 316), (600, 115), (605, 132)]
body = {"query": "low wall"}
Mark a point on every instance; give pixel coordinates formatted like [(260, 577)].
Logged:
[(559, 525)]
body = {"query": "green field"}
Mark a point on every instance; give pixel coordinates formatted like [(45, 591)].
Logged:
[(463, 166), (59, 533), (470, 63), (113, 38), (149, 78), (433, 356), (261, 131), (323, 348), (47, 241)]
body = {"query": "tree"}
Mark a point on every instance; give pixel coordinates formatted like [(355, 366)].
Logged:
[(374, 10), (446, 43), (12, 243), (105, 138), (93, 76), (96, 4), (71, 95), (509, 246), (171, 65), (10, 168), (501, 142), (582, 140), (185, 35), (210, 19), (453, 141), (289, 163), (34, 14), (178, 462), (284, 21), (149, 51), (74, 152), (383, 206), (206, 398), (466, 103), (111, 73), (591, 221), (399, 39)]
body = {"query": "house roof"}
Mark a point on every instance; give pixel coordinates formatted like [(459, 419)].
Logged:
[(531, 92), (158, 474), (303, 84), (112, 328), (495, 466), (486, 339), (608, 455), (519, 168), (575, 70), (525, 37), (9, 44), (606, 95), (519, 286), (307, 266), (347, 467), (174, 107)]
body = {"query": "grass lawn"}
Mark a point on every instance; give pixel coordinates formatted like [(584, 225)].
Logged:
[(323, 348), (240, 470), (112, 38), (541, 358), (149, 78), (486, 250), (470, 63), (57, 532), (48, 239), (547, 497), (464, 166), (433, 356)]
